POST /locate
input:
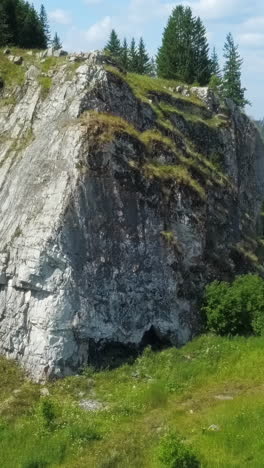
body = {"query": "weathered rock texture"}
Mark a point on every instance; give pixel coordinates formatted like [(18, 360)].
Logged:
[(100, 247)]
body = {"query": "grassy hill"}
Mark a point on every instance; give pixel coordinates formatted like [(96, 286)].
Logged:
[(210, 392)]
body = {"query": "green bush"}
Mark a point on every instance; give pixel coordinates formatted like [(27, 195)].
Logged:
[(47, 413), (173, 453), (236, 308)]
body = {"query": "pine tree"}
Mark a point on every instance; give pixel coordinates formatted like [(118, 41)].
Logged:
[(31, 35), (143, 60), (11, 10), (56, 43), (24, 25), (202, 62), (184, 52), (113, 47), (133, 57), (124, 55), (45, 25), (215, 68), (153, 69), (232, 73), (4, 30)]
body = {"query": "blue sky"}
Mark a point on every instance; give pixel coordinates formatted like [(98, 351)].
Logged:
[(85, 25)]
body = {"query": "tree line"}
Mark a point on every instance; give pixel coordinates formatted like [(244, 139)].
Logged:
[(22, 26), (134, 58), (185, 56)]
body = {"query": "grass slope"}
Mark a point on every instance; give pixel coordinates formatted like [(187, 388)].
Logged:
[(211, 381)]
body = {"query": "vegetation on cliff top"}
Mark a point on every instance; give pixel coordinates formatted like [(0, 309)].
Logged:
[(209, 394)]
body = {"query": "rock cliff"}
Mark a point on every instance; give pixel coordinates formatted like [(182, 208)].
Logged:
[(120, 197)]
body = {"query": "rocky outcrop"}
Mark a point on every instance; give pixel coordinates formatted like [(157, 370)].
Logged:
[(117, 205)]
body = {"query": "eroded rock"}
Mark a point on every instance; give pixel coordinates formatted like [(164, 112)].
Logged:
[(99, 256)]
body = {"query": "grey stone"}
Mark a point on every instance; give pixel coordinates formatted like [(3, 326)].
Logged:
[(7, 51), (91, 405), (224, 397), (44, 392), (16, 60), (50, 52), (214, 428), (60, 53), (3, 279)]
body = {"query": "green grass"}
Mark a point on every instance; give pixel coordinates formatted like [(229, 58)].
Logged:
[(104, 128), (12, 74), (211, 381), (143, 85), (177, 173), (45, 83), (7, 101)]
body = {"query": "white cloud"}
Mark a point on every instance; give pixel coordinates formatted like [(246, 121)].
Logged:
[(60, 16), (251, 39), (99, 31), (215, 9), (254, 23), (140, 11)]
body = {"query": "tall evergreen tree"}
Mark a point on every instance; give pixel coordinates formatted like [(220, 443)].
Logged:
[(31, 34), (143, 59), (45, 25), (56, 43), (133, 57), (201, 61), (124, 55), (113, 46), (153, 69), (216, 71), (184, 52), (25, 27), (4, 30), (232, 87), (11, 10)]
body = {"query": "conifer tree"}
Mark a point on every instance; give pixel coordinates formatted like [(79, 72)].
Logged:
[(45, 25), (232, 87), (124, 55), (143, 60), (215, 68), (25, 27), (133, 57), (184, 52), (4, 30), (31, 34), (153, 67), (113, 47), (201, 61), (56, 43)]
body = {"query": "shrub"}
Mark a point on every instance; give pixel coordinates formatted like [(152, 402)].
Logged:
[(236, 308), (47, 412), (173, 453)]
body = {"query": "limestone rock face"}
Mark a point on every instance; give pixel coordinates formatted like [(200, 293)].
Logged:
[(100, 249)]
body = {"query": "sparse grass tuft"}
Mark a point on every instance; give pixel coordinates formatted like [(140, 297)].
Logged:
[(45, 83), (177, 173), (106, 126), (9, 101), (12, 74)]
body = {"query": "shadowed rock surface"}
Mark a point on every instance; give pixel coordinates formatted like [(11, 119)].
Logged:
[(104, 245)]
